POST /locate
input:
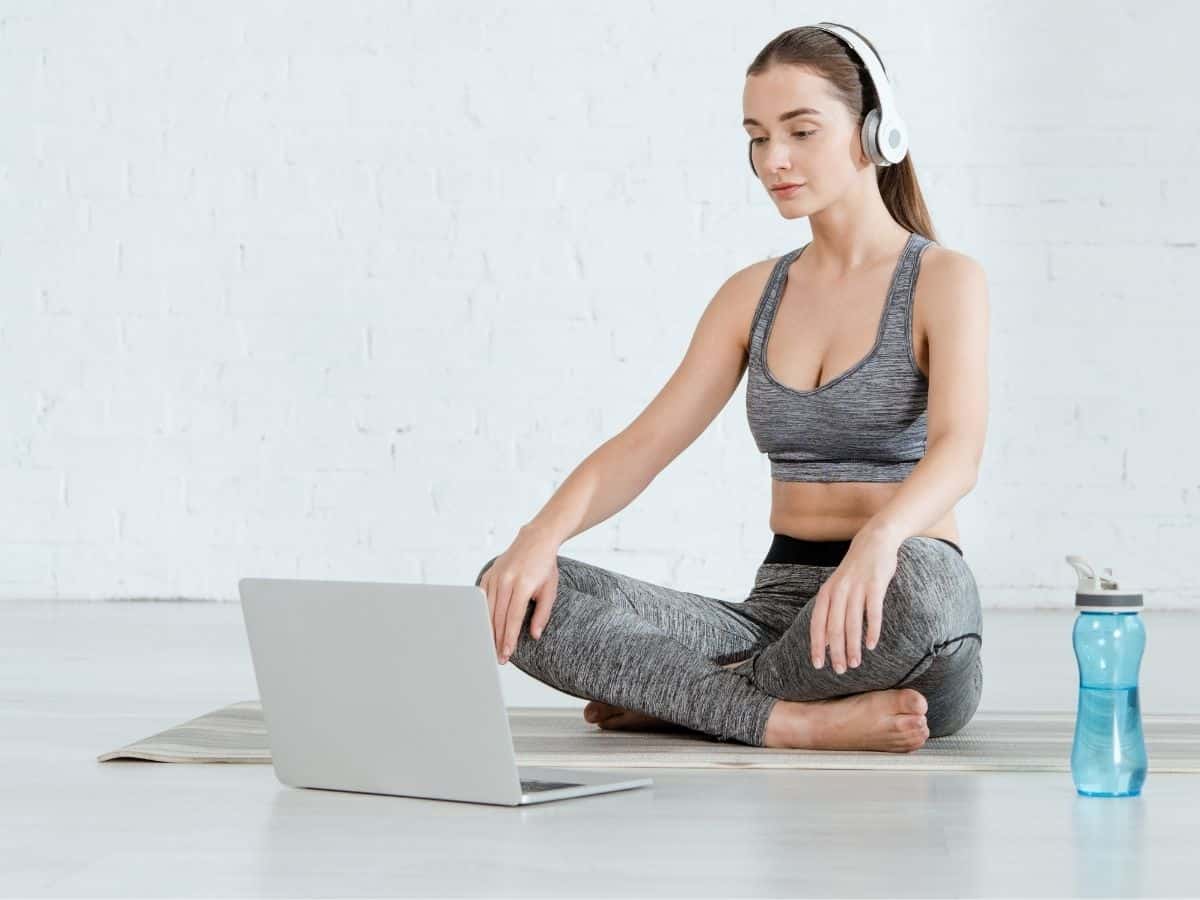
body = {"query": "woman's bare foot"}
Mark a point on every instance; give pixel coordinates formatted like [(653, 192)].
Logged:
[(612, 717), (891, 720)]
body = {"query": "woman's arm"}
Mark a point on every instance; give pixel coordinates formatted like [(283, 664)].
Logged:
[(957, 316), (603, 484), (623, 466), (956, 304)]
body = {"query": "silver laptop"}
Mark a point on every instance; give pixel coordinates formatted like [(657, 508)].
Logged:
[(392, 688)]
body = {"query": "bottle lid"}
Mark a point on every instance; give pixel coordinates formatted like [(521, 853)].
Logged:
[(1101, 591)]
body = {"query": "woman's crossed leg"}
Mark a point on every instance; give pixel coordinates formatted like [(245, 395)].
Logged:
[(666, 653)]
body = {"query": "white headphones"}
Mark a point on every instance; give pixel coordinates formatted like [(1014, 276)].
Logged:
[(884, 134)]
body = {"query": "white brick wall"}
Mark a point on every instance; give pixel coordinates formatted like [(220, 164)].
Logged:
[(347, 290)]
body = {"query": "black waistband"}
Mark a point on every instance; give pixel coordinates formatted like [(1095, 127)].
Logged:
[(787, 549)]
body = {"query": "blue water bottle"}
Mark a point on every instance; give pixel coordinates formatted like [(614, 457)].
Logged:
[(1108, 757)]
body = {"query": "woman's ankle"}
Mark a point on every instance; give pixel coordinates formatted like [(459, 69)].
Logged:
[(789, 725)]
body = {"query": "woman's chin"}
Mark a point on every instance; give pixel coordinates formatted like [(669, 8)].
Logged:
[(793, 211)]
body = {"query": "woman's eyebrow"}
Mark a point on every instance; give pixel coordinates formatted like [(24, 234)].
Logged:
[(790, 114)]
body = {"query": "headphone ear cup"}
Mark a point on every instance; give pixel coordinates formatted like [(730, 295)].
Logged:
[(892, 139), (869, 135)]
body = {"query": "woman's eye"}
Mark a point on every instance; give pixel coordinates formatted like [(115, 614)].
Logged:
[(800, 134)]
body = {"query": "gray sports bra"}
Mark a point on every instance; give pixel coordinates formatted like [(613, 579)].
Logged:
[(866, 424)]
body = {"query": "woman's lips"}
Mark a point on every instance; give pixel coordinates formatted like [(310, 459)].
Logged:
[(787, 191)]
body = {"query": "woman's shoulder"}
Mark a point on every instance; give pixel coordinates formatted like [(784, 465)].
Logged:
[(949, 280), (949, 268), (740, 297), (743, 291), (750, 281)]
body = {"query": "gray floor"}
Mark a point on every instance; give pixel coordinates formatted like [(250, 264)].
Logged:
[(77, 679)]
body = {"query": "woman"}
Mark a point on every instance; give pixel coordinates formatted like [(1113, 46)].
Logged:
[(867, 390)]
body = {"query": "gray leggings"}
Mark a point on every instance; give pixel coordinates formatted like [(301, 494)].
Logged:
[(660, 651)]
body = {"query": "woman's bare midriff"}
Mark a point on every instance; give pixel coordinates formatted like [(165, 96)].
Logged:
[(834, 511)]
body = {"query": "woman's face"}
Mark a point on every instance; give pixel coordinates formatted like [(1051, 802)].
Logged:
[(818, 147)]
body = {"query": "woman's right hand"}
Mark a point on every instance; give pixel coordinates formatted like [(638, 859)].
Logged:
[(527, 570)]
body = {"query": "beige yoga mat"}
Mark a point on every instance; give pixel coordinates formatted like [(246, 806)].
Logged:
[(993, 741)]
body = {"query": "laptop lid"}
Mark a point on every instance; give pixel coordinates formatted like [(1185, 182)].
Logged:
[(381, 687)]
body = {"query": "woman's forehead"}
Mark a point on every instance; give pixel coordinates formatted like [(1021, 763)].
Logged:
[(785, 88)]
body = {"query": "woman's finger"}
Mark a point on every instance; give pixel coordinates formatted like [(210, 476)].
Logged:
[(500, 613), (515, 617), (854, 627), (836, 630), (816, 627)]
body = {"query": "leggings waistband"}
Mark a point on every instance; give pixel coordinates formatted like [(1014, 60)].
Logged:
[(787, 549)]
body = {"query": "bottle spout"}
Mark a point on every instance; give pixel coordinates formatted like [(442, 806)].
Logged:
[(1101, 592), (1088, 579)]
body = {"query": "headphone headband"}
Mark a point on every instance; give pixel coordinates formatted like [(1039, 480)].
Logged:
[(884, 133), (886, 140)]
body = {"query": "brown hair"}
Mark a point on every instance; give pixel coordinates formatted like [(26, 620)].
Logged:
[(833, 59)]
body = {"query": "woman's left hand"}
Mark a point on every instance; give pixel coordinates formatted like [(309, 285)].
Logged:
[(859, 583)]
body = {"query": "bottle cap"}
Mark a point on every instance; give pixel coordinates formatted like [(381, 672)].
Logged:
[(1101, 591)]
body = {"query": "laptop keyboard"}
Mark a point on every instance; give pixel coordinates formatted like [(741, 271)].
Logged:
[(530, 785)]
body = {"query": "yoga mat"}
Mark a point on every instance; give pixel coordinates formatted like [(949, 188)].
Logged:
[(993, 741)]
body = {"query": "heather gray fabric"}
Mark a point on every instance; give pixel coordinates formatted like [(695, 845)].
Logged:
[(658, 650), (866, 424)]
